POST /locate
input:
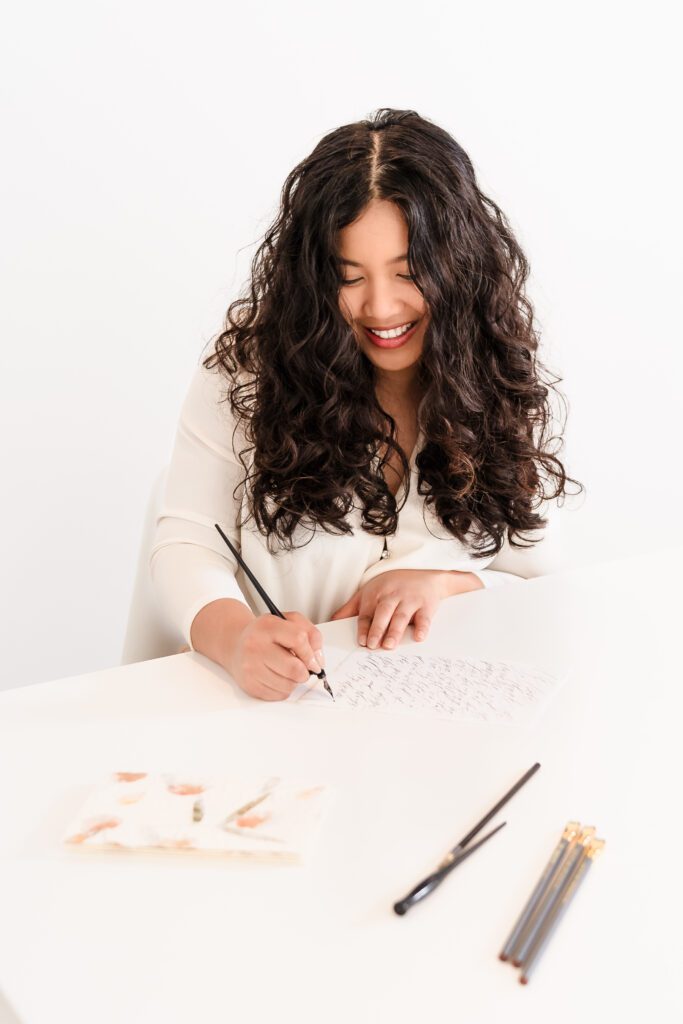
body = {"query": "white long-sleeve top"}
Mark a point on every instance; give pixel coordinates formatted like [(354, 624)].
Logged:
[(191, 565)]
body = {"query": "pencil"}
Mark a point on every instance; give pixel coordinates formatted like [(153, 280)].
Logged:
[(554, 916), (573, 855), (272, 608), (571, 831)]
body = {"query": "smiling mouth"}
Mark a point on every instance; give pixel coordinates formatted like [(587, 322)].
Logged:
[(392, 341)]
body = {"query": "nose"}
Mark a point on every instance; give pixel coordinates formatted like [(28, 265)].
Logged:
[(380, 303)]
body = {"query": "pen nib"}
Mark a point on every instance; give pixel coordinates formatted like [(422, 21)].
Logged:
[(327, 686)]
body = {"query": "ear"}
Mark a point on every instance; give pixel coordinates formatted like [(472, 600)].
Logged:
[(348, 610)]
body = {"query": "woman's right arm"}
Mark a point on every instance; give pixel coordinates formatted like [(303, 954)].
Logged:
[(190, 565), (193, 571), (216, 629)]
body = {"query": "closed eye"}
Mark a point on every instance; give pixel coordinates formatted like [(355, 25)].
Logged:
[(406, 277)]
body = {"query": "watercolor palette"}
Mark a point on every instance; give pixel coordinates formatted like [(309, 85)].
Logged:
[(265, 819)]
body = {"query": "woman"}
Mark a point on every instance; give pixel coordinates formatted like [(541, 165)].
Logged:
[(371, 428)]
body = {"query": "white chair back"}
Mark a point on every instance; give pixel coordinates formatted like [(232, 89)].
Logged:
[(147, 635)]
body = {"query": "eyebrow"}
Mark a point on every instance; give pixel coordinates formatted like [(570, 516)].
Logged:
[(396, 259)]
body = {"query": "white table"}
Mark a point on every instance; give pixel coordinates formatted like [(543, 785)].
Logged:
[(115, 938)]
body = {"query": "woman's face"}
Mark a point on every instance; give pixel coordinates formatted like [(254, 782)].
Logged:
[(377, 291)]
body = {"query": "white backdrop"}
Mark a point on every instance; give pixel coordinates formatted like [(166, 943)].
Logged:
[(145, 145)]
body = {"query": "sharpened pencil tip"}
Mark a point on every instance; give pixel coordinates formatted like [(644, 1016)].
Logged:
[(523, 980), (502, 956)]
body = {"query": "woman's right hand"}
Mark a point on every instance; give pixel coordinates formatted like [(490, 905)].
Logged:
[(273, 655)]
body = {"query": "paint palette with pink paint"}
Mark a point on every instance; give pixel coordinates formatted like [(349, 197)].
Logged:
[(263, 819)]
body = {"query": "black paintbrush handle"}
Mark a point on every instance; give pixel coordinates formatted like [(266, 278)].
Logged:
[(420, 891), (436, 878), (270, 605), (501, 803)]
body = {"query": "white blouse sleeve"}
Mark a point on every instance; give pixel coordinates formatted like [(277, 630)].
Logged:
[(422, 542), (426, 544), (190, 565), (548, 554)]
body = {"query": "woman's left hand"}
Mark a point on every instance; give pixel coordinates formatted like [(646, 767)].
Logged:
[(392, 600)]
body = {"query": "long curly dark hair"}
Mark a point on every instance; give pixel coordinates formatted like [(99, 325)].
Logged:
[(307, 400)]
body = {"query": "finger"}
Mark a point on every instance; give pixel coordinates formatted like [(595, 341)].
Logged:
[(383, 613), (364, 620), (398, 624), (314, 635), (298, 634), (421, 624), (366, 612), (270, 685), (315, 638), (348, 610), (265, 693), (283, 671), (291, 666)]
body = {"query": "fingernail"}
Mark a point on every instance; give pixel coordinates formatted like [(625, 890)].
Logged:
[(321, 658), (314, 667), (390, 642), (419, 636), (362, 640), (372, 642)]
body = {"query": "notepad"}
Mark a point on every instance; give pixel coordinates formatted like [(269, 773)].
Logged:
[(473, 689), (262, 819)]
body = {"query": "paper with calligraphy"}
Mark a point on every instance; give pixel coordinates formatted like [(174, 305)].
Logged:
[(463, 688)]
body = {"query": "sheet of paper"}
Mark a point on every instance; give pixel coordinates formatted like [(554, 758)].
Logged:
[(462, 688)]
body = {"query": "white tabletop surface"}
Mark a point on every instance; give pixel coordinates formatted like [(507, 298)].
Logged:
[(121, 939)]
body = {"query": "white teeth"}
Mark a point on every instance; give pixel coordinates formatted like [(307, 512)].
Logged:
[(395, 333)]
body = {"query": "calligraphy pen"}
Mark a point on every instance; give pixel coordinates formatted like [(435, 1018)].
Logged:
[(458, 854), (271, 606)]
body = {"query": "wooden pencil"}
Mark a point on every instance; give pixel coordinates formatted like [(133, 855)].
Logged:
[(571, 831), (574, 854), (556, 913)]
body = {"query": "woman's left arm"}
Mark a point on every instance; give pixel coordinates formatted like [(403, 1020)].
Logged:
[(386, 604), (392, 598), (549, 551)]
